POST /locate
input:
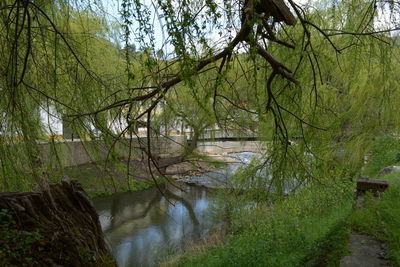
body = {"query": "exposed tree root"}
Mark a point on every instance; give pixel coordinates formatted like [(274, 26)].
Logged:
[(65, 221)]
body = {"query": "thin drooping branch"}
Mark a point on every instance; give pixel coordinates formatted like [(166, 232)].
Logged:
[(271, 36), (336, 32), (277, 66), (72, 51)]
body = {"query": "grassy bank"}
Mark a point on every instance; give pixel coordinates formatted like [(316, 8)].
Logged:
[(293, 232), (380, 218), (310, 228), (101, 178)]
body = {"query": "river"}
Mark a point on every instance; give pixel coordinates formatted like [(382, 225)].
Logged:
[(142, 227)]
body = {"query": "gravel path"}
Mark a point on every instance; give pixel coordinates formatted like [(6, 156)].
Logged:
[(365, 252)]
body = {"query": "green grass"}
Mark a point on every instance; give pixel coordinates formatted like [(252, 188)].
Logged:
[(311, 228), (134, 185), (97, 182), (385, 151), (292, 233), (381, 217), (331, 248)]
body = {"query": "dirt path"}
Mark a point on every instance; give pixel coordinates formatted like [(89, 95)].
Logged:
[(365, 252)]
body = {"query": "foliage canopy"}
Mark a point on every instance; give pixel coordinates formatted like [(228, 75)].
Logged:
[(329, 81)]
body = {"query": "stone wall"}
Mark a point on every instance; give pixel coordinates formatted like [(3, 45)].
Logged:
[(73, 153)]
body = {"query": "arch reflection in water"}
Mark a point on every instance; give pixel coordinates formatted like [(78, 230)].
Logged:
[(143, 226)]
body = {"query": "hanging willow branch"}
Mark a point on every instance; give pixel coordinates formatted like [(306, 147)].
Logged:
[(44, 59)]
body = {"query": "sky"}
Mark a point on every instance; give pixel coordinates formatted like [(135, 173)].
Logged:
[(112, 8), (384, 19)]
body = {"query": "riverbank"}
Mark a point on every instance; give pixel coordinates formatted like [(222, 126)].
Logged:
[(315, 227), (102, 178), (145, 226), (290, 232)]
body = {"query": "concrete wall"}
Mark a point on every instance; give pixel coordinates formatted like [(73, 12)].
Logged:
[(225, 147), (72, 153)]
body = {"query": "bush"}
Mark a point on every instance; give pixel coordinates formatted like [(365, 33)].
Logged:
[(385, 151)]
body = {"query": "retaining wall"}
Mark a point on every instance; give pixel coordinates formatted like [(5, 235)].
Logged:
[(72, 153)]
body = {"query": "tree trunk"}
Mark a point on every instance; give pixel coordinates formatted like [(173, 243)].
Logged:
[(193, 142), (65, 222)]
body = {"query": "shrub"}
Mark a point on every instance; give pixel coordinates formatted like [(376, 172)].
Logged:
[(385, 151)]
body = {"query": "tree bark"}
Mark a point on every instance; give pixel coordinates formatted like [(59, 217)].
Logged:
[(67, 221)]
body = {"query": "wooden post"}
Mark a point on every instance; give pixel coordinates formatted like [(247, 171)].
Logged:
[(372, 185)]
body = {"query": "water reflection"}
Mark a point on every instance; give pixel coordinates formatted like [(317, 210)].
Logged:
[(143, 226)]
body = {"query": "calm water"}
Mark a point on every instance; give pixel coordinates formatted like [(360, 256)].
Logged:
[(143, 226)]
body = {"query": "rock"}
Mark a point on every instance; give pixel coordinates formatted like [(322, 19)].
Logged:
[(388, 170), (189, 168), (180, 168), (224, 158)]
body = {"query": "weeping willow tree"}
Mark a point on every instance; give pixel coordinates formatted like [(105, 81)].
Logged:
[(323, 73)]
